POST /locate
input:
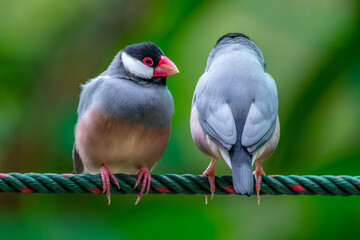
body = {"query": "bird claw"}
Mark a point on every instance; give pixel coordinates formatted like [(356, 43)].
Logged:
[(259, 172), (105, 177), (212, 187), (210, 173), (146, 182), (206, 199)]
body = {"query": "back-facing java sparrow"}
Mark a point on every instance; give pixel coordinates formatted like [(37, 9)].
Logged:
[(234, 113), (124, 116)]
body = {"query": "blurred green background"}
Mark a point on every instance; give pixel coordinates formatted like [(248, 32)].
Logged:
[(312, 49)]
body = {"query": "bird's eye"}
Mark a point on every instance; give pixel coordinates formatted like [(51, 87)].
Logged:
[(148, 61)]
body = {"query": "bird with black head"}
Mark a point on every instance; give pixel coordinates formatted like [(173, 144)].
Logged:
[(124, 117)]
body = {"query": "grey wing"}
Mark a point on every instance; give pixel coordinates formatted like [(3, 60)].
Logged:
[(261, 120), (215, 118), (78, 165), (88, 90)]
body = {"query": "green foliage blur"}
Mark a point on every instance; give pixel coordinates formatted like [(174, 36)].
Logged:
[(49, 47)]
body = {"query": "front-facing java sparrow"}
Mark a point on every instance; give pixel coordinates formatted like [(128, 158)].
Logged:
[(234, 113), (124, 116)]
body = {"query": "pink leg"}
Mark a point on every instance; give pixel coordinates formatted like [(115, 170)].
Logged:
[(146, 183), (105, 176), (211, 176), (259, 172)]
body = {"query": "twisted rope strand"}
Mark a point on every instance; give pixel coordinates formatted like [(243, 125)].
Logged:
[(173, 184)]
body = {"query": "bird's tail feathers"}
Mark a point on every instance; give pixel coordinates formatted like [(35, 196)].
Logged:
[(241, 163)]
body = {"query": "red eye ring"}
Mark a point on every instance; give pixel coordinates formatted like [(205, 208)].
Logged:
[(148, 61)]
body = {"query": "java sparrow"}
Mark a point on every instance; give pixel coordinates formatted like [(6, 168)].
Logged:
[(234, 113), (124, 117)]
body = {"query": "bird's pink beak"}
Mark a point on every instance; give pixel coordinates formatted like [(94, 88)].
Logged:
[(165, 68)]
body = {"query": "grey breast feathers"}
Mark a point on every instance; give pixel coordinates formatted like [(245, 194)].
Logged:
[(148, 104)]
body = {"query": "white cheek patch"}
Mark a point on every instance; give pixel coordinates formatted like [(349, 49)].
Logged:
[(136, 67)]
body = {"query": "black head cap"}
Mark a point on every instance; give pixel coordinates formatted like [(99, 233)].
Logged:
[(231, 36), (145, 50)]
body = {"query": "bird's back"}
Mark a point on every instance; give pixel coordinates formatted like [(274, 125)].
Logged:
[(234, 78)]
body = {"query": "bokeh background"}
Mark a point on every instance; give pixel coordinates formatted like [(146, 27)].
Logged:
[(48, 48)]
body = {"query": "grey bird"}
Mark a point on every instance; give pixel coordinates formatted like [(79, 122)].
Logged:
[(124, 117), (234, 113)]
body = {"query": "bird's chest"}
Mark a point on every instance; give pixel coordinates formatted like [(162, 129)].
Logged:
[(120, 145)]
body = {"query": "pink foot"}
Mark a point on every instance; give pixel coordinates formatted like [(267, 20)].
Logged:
[(210, 173), (105, 176), (146, 183), (259, 172)]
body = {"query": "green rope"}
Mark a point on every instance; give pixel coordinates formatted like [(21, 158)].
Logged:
[(173, 184)]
